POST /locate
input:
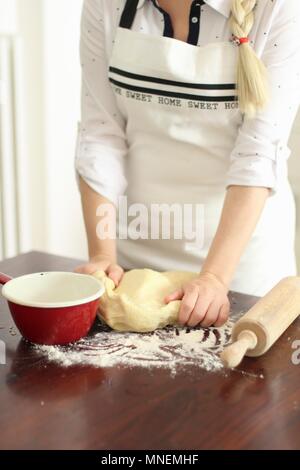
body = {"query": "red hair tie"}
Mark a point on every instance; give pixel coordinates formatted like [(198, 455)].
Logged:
[(240, 41)]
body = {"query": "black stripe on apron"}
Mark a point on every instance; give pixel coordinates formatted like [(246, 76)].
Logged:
[(200, 86), (128, 14), (185, 96), (168, 29)]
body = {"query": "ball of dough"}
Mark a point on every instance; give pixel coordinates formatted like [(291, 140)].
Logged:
[(137, 304)]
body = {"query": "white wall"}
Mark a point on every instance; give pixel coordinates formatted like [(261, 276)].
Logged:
[(61, 20), (30, 29), (50, 31), (8, 16), (294, 172)]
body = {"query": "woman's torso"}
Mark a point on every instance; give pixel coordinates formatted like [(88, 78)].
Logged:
[(180, 139)]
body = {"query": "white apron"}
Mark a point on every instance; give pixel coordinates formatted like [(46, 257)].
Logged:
[(171, 94)]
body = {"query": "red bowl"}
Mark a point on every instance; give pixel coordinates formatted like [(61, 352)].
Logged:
[(53, 307)]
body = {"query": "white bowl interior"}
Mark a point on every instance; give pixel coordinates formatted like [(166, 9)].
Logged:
[(52, 289)]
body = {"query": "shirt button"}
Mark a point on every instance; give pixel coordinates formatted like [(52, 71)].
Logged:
[(194, 19)]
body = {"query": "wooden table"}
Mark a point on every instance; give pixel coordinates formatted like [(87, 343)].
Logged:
[(44, 406)]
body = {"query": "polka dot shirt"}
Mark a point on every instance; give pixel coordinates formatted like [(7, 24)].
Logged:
[(261, 149)]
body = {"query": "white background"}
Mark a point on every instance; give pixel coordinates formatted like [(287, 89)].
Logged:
[(50, 29)]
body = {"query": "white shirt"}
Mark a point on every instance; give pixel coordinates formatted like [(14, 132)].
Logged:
[(260, 151)]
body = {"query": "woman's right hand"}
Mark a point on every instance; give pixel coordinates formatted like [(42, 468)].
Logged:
[(102, 263)]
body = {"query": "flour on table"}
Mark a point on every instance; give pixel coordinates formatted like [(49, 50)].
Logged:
[(170, 348)]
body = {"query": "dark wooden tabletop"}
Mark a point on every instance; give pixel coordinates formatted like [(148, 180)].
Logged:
[(45, 406)]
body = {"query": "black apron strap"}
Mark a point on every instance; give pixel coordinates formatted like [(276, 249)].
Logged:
[(128, 14)]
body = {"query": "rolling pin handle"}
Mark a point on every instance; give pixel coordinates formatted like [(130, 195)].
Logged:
[(233, 354)]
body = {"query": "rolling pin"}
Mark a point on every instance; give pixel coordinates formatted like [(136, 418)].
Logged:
[(261, 326)]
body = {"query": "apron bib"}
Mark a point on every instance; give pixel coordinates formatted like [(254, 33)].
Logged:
[(182, 118)]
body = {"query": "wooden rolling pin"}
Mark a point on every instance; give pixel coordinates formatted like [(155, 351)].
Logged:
[(262, 325)]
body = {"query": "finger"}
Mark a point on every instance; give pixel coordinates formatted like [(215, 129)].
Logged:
[(115, 273), (78, 269), (211, 314), (223, 315), (85, 269), (187, 305), (199, 311), (177, 295)]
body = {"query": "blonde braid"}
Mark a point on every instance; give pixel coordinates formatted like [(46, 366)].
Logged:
[(252, 83)]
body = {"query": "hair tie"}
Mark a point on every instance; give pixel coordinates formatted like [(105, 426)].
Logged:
[(239, 41)]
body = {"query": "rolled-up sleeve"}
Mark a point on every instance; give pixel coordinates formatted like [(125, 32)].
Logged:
[(260, 154), (101, 142)]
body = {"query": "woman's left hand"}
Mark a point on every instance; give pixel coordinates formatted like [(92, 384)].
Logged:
[(204, 301)]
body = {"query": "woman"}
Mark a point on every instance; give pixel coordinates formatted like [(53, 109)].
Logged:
[(192, 102)]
